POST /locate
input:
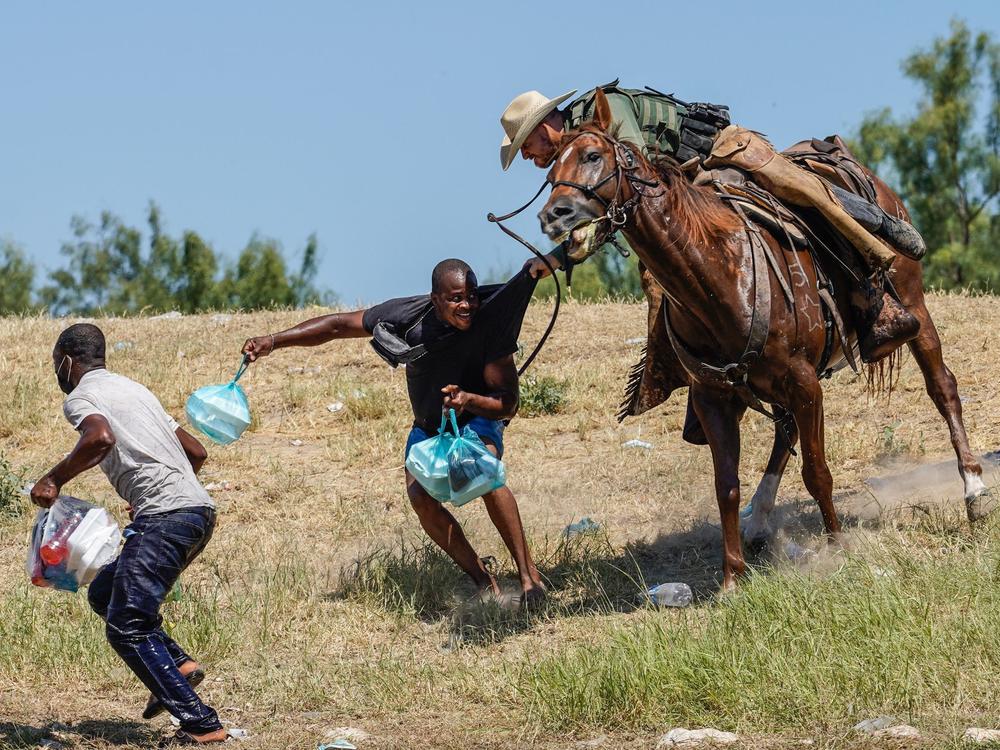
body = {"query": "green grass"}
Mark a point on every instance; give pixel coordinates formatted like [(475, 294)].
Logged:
[(542, 395), (892, 629), (12, 503)]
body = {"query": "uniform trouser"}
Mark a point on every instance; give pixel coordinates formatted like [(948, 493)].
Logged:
[(744, 149), (128, 593)]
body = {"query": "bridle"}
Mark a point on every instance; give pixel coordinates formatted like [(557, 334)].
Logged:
[(616, 210)]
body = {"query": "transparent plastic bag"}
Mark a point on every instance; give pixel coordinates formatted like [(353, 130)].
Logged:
[(428, 462), (455, 467), (221, 412), (472, 469), (69, 543)]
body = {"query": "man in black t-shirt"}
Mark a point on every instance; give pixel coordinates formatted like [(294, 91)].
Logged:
[(459, 354)]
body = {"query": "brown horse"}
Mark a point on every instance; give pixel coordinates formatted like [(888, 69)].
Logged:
[(740, 338)]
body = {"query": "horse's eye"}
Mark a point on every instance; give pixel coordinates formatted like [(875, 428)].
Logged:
[(593, 156)]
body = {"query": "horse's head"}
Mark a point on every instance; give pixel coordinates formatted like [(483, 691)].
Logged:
[(585, 205)]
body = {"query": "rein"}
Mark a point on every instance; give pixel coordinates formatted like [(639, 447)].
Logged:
[(498, 220)]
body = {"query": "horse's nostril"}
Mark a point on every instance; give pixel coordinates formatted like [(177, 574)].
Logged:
[(561, 211)]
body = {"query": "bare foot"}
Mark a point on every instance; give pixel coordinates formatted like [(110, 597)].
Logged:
[(188, 667), (181, 737), (219, 735)]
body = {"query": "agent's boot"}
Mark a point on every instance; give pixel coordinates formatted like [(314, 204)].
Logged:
[(742, 148), (898, 233), (892, 325), (902, 236)]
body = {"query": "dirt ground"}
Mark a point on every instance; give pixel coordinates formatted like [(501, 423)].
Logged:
[(323, 489)]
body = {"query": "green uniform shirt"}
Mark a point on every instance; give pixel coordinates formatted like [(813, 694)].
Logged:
[(648, 120)]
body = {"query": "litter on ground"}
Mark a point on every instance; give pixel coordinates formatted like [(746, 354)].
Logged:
[(582, 526), (638, 444)]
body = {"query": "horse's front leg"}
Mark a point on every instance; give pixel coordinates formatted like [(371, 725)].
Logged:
[(805, 400), (943, 390), (720, 417), (757, 529)]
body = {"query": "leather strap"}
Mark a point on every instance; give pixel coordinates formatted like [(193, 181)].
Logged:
[(735, 374)]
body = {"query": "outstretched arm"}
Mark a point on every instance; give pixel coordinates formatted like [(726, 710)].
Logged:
[(96, 441), (312, 332), (501, 399)]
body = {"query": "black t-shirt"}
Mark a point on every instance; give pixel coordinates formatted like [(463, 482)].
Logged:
[(454, 357)]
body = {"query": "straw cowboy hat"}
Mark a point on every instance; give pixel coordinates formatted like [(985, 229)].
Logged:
[(521, 117)]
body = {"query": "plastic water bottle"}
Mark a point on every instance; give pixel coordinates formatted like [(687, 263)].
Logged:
[(670, 595), (54, 551)]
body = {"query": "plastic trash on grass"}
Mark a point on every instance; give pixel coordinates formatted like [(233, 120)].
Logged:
[(670, 595), (70, 542), (221, 412), (456, 466)]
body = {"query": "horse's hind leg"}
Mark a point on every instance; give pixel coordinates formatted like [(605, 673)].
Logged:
[(720, 418), (943, 390), (805, 395), (757, 529)]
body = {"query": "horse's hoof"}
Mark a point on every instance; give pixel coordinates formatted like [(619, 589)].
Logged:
[(758, 544), (980, 506)]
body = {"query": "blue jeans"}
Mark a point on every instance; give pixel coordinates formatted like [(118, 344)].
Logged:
[(128, 592), (489, 431)]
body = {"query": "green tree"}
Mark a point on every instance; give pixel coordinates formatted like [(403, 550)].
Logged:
[(17, 274), (605, 274), (260, 278), (945, 160), (109, 272), (104, 271), (162, 273), (304, 290), (198, 289)]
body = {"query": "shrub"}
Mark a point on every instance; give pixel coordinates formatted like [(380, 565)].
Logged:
[(545, 395)]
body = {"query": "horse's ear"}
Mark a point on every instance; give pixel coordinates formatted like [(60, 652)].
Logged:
[(602, 111)]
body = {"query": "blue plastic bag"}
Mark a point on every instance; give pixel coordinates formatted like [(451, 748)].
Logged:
[(221, 412), (428, 462), (455, 467)]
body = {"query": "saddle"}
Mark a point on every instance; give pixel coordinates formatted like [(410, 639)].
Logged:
[(659, 372)]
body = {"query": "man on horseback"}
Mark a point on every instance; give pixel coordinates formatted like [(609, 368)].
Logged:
[(701, 139)]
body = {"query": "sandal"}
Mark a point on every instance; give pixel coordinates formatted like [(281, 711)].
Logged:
[(154, 707), (185, 739)]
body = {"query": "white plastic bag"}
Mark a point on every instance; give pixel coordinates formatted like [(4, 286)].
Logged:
[(70, 542)]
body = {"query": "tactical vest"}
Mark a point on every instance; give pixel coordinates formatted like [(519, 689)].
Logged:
[(657, 115), (666, 124)]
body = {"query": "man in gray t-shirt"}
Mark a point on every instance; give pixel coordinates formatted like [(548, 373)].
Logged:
[(152, 463), (147, 465)]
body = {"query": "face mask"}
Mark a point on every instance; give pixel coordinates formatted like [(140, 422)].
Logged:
[(65, 385)]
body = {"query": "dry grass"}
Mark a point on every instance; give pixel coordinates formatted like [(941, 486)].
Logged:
[(318, 604)]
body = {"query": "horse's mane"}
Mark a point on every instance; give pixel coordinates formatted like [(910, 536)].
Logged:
[(699, 212)]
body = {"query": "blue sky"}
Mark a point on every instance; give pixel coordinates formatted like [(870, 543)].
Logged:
[(375, 124)]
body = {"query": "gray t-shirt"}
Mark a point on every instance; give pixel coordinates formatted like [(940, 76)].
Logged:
[(147, 466)]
